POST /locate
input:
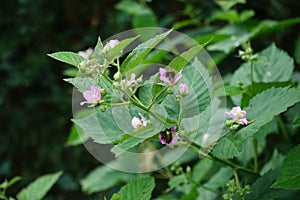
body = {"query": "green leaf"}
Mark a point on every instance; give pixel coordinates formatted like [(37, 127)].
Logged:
[(297, 121), (289, 174), (103, 178), (102, 126), (77, 136), (241, 35), (82, 83), (275, 161), (129, 6), (262, 112), (232, 90), (200, 89), (116, 52), (217, 181), (97, 51), (182, 60), (67, 57), (140, 189), (134, 139), (7, 184), (176, 181), (201, 169), (266, 70), (226, 5), (261, 189), (233, 16), (297, 50), (38, 189), (259, 87), (270, 26), (141, 51), (146, 18)]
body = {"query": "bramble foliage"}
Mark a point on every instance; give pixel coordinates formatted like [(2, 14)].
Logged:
[(255, 155)]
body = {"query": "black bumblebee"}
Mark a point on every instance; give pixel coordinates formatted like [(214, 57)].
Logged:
[(167, 135)]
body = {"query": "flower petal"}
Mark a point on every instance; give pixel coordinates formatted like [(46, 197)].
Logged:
[(177, 77), (163, 75), (174, 128), (163, 141), (135, 122), (174, 139)]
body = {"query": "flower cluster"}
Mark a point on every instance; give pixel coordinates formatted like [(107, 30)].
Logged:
[(167, 137), (238, 117)]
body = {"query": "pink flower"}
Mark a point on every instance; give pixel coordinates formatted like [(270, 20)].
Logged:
[(139, 123), (166, 136), (92, 96), (111, 44), (129, 82), (238, 114), (85, 54), (169, 77), (183, 89)]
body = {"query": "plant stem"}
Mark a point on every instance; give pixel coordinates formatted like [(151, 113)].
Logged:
[(252, 78), (158, 95), (282, 127), (180, 111), (225, 162), (255, 142), (118, 104), (237, 181)]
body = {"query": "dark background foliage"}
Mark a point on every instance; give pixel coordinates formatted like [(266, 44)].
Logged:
[(36, 103)]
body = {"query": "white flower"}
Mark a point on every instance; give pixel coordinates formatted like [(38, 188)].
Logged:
[(139, 123)]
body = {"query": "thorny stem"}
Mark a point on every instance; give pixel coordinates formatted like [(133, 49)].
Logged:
[(283, 129), (255, 142), (180, 111), (117, 104), (251, 75), (225, 162), (158, 95)]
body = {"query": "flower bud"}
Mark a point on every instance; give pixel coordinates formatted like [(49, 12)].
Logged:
[(116, 84), (103, 92), (183, 89), (233, 127), (169, 91), (140, 80), (118, 76), (228, 123), (188, 170), (102, 108)]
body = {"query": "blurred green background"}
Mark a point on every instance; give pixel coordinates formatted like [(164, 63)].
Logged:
[(36, 103)]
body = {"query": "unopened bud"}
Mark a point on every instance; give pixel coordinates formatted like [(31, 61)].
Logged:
[(188, 170), (103, 92), (116, 84), (102, 108), (118, 76), (233, 127)]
